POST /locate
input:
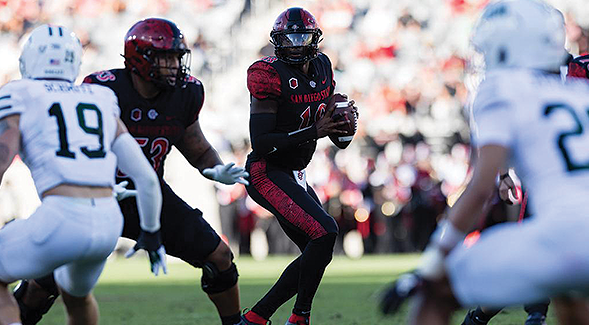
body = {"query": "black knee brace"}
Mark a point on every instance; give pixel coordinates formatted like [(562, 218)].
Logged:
[(32, 315), (215, 281)]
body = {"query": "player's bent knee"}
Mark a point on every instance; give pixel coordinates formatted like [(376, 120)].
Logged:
[(222, 256), (215, 281), (325, 245)]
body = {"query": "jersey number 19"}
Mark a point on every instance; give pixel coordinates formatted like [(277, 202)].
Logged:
[(64, 148)]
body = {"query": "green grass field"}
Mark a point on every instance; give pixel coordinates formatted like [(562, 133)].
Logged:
[(128, 294)]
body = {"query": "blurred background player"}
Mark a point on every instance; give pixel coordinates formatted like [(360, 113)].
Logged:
[(71, 139), (522, 111), (160, 104), (537, 312), (289, 111), (517, 91)]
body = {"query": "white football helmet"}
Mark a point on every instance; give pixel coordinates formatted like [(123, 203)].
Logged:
[(51, 52), (521, 33)]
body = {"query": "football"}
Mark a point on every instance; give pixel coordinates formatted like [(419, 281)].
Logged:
[(343, 112)]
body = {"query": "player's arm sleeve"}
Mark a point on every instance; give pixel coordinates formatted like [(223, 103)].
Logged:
[(494, 117), (263, 82), (266, 141), (132, 162), (11, 99)]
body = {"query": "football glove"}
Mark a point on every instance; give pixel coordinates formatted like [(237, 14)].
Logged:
[(404, 287), (120, 191), (228, 174), (152, 243)]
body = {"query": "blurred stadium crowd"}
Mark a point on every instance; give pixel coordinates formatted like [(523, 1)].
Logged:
[(405, 63)]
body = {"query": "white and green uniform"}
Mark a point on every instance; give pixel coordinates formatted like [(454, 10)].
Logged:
[(544, 122)]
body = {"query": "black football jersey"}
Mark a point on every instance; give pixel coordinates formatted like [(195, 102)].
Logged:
[(302, 100), (157, 123)]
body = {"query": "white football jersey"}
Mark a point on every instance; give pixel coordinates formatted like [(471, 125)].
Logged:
[(66, 131), (545, 124)]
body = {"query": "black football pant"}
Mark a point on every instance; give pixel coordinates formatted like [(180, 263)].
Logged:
[(305, 222)]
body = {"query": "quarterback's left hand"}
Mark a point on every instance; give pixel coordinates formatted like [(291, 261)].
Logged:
[(228, 174)]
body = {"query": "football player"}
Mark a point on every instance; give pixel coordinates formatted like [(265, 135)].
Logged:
[(71, 138), (537, 312), (525, 113), (160, 104), (290, 109)]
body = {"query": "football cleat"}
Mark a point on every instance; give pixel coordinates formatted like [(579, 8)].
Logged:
[(404, 287), (536, 319), (472, 319), (245, 321), (297, 320)]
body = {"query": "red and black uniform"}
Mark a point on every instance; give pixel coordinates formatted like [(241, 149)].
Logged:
[(577, 67), (157, 124), (279, 152)]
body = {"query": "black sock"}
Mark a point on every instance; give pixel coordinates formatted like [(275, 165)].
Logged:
[(541, 307), (304, 313), (231, 320), (284, 289), (485, 316)]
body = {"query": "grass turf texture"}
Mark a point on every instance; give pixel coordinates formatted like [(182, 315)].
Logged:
[(128, 294)]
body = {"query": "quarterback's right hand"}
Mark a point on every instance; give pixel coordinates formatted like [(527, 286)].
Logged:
[(120, 191), (152, 243)]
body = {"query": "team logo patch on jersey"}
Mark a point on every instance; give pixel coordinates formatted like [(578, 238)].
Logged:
[(136, 114), (312, 83), (293, 83), (152, 114)]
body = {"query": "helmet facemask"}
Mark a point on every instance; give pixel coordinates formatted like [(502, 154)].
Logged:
[(296, 46), (163, 72)]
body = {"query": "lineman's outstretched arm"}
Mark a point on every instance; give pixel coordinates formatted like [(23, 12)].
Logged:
[(200, 154)]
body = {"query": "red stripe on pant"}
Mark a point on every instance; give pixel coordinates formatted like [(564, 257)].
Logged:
[(283, 203)]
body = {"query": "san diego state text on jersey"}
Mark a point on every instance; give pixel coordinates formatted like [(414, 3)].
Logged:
[(302, 100)]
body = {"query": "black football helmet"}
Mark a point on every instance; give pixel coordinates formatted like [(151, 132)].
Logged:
[(146, 41), (295, 36)]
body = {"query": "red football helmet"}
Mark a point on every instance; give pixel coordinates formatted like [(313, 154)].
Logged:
[(295, 36), (148, 42)]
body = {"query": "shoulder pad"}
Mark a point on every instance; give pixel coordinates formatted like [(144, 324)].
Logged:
[(263, 81), (192, 79), (100, 76)]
